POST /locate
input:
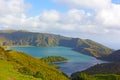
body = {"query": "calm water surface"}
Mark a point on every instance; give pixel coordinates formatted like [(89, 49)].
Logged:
[(77, 61)]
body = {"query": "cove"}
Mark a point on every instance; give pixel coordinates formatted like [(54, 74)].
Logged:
[(77, 61)]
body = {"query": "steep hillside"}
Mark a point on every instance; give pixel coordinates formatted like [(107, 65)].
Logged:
[(114, 57), (20, 66), (25, 38), (104, 68), (92, 48), (104, 71)]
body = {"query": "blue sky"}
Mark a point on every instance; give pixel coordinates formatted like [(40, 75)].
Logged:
[(93, 19), (41, 5), (116, 1)]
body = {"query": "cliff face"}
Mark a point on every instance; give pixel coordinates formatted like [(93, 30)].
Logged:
[(25, 38)]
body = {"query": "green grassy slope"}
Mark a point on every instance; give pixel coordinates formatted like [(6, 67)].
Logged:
[(8, 72), (19, 66)]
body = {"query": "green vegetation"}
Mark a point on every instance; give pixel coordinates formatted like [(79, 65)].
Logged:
[(9, 72), (84, 76), (39, 75), (25, 71), (107, 77), (92, 48), (20, 66), (104, 71), (25, 38), (54, 59)]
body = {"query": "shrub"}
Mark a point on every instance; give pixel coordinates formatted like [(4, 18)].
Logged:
[(83, 76), (25, 70), (38, 74)]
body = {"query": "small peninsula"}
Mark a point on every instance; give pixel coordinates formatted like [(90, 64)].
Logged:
[(54, 59)]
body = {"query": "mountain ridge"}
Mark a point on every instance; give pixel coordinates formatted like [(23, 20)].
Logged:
[(26, 38)]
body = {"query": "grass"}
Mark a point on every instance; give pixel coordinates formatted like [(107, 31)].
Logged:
[(8, 72), (107, 76), (13, 64), (84, 76)]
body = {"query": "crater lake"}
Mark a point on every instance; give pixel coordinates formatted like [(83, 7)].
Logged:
[(76, 61)]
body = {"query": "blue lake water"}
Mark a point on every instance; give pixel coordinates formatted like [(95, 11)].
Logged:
[(77, 61)]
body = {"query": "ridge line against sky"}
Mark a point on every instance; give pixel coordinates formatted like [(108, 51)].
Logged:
[(98, 20)]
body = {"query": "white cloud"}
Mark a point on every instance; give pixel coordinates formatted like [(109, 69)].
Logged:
[(106, 13), (110, 16), (73, 16), (51, 20), (50, 16), (12, 13), (12, 6)]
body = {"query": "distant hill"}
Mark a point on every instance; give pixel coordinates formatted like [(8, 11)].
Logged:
[(11, 31), (104, 71), (25, 38), (20, 66), (104, 68), (114, 57)]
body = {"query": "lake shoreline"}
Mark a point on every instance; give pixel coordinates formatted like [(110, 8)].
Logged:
[(76, 61)]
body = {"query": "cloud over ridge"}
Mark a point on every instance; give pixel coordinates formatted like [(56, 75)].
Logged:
[(103, 17)]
